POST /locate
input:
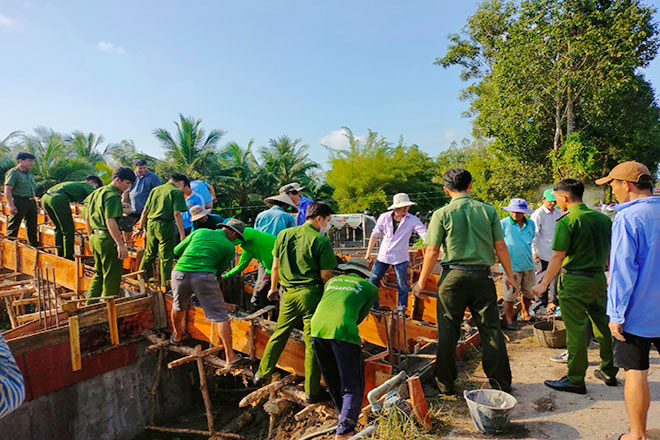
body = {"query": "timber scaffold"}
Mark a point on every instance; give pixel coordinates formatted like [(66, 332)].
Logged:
[(44, 298)]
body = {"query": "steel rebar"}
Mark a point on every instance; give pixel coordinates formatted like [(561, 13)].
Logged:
[(57, 312)]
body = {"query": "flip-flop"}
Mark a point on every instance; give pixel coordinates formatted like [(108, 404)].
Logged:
[(614, 436), (241, 360), (185, 336)]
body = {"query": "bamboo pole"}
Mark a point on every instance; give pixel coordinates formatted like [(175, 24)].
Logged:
[(204, 389), (74, 343)]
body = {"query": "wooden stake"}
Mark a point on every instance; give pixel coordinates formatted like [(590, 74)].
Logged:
[(154, 388), (204, 389), (112, 321), (10, 312), (74, 343)]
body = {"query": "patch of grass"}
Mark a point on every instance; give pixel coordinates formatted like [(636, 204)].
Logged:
[(395, 424)]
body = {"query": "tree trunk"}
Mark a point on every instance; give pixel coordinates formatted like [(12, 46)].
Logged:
[(570, 117), (558, 118)]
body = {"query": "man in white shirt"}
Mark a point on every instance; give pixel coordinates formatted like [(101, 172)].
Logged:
[(545, 219)]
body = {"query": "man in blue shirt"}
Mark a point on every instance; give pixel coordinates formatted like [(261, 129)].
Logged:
[(139, 191), (293, 190), (633, 295), (518, 236), (205, 191), (278, 217)]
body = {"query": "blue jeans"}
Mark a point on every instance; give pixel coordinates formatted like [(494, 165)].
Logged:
[(401, 271), (341, 366)]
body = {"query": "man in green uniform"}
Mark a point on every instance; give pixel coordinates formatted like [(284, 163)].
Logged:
[(303, 261), (162, 210), (581, 248), (106, 242), (57, 204), (203, 256), (346, 301), (20, 190), (258, 245), (470, 235)]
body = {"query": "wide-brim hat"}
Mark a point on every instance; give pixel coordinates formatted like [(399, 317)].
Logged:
[(197, 212), (236, 226), (293, 186), (401, 200), (518, 205), (358, 264), (630, 171), (282, 199)]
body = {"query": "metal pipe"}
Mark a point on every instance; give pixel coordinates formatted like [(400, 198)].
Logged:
[(364, 433), (385, 387)]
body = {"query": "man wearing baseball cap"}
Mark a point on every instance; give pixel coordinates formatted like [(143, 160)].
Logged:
[(518, 235), (580, 249), (294, 191), (544, 219), (633, 294)]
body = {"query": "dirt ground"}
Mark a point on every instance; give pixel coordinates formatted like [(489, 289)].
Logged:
[(592, 416)]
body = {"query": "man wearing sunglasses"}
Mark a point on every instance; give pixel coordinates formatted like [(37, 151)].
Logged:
[(293, 190)]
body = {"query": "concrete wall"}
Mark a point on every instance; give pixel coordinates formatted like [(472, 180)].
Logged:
[(112, 406)]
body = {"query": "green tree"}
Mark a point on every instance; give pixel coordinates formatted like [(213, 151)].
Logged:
[(124, 153), (540, 70), (285, 160), (47, 147), (85, 146), (189, 149), (368, 173), (4, 143)]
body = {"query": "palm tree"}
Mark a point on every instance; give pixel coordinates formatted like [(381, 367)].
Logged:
[(47, 147), (285, 161), (125, 154), (85, 145), (189, 148), (4, 143)]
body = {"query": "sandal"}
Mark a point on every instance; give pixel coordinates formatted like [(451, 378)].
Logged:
[(241, 360), (615, 436), (185, 336)]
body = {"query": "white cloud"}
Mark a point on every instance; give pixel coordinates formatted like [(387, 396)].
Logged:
[(338, 139), (6, 21), (104, 46)]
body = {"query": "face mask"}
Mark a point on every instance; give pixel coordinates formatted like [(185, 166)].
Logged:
[(325, 228)]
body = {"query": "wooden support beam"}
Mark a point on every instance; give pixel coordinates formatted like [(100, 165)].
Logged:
[(194, 357), (74, 343), (10, 312), (204, 389), (112, 321)]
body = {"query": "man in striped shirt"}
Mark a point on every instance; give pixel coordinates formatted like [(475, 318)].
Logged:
[(12, 388)]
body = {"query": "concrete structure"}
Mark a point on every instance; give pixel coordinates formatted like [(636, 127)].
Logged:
[(113, 406)]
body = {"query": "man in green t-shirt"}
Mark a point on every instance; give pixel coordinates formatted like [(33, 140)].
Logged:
[(203, 256), (57, 204), (581, 247), (20, 191), (346, 301), (162, 214), (470, 235), (106, 242), (303, 261), (258, 245)]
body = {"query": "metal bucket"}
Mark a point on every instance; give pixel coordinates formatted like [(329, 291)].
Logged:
[(490, 409), (550, 333)]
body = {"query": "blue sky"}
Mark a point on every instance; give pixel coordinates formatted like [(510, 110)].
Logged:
[(257, 69)]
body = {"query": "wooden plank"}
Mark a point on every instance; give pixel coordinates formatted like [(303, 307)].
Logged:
[(374, 330), (112, 321), (34, 341), (418, 402), (74, 343)]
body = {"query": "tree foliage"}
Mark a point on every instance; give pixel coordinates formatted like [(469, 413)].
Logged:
[(540, 71), (369, 172)]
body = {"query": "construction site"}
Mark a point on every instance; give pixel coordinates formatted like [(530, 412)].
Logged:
[(106, 370)]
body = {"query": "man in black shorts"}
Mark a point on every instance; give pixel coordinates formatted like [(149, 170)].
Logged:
[(633, 295)]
